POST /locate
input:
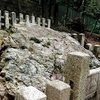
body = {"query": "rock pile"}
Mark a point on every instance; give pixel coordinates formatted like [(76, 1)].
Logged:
[(34, 55)]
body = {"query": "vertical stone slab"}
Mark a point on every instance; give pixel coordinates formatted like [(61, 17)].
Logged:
[(57, 90), (48, 23), (20, 18), (82, 39), (6, 16), (27, 19), (98, 86), (77, 70), (33, 20), (13, 18), (43, 22), (0, 19), (38, 21), (29, 93), (74, 36), (88, 46)]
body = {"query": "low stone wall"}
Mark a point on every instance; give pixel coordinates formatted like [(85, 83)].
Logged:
[(93, 85)]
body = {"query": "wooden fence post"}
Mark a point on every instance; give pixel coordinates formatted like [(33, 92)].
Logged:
[(0, 19), (13, 18), (6, 15)]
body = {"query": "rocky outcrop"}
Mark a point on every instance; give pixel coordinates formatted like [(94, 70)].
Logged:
[(34, 55)]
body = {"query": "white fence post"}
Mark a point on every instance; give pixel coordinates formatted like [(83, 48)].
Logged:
[(43, 22), (38, 21), (13, 18), (20, 18), (96, 50), (33, 20), (74, 36), (27, 19), (88, 46), (57, 90), (77, 70), (48, 23), (82, 39), (6, 15)]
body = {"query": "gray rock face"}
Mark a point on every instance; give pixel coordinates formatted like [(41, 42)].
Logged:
[(35, 55)]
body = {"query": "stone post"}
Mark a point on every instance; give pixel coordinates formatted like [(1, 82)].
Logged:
[(6, 16), (77, 70), (82, 39), (27, 19), (43, 22), (0, 19), (48, 23), (88, 46), (13, 18), (57, 90), (29, 93), (33, 20), (38, 21), (20, 18), (96, 50), (74, 36)]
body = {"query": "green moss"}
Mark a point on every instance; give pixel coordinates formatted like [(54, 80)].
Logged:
[(35, 40)]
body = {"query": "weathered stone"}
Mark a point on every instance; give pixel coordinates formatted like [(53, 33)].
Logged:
[(20, 18), (49, 23), (82, 39), (77, 70), (27, 19), (43, 22), (88, 46), (6, 15), (38, 21), (75, 36), (29, 93), (57, 90), (13, 18)]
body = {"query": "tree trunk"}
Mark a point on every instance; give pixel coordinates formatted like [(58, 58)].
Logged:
[(19, 6), (56, 14)]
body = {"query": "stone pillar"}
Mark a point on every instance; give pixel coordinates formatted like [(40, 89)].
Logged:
[(77, 70), (74, 36), (48, 23), (6, 16), (20, 18), (88, 46), (38, 21), (82, 39), (98, 86), (29, 93), (43, 22), (13, 15), (96, 50), (0, 19), (33, 20), (57, 90), (27, 19)]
